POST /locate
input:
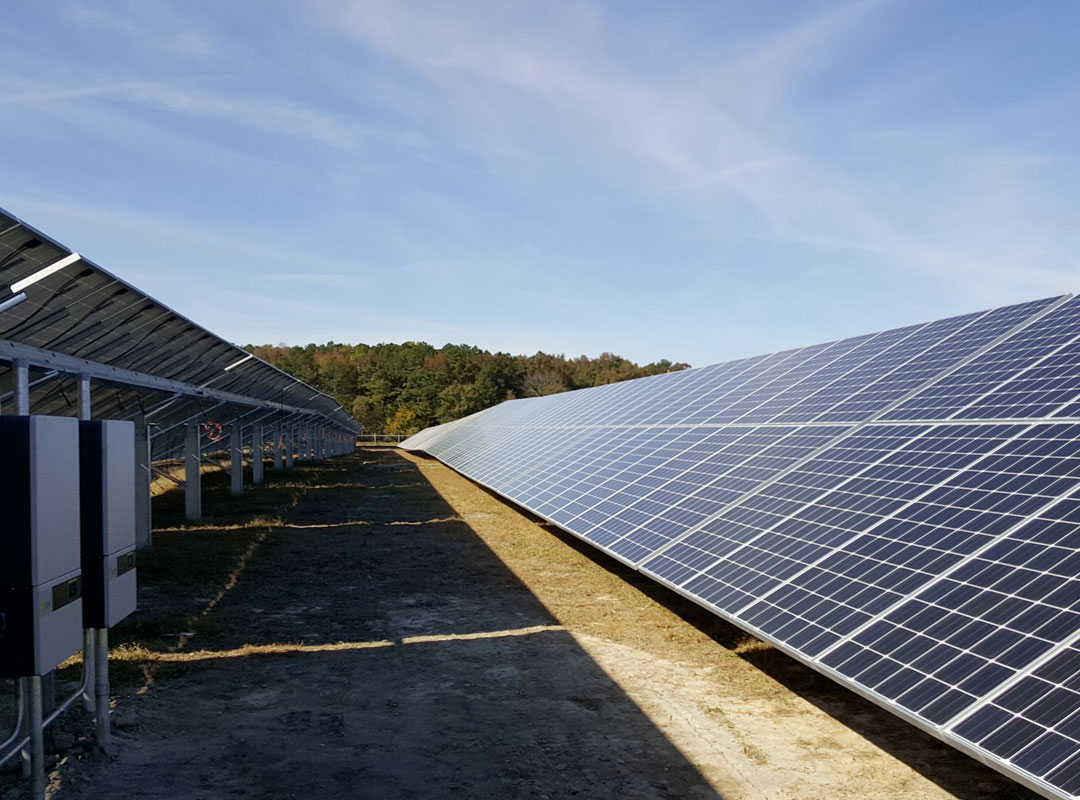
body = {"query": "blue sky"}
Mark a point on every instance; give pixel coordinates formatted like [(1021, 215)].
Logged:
[(696, 180)]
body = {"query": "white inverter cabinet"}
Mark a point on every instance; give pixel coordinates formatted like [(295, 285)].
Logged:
[(107, 499), (40, 571)]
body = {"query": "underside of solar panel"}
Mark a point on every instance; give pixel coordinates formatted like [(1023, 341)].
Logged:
[(900, 511)]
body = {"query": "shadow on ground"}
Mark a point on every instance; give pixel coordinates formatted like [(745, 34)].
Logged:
[(340, 633), (950, 769)]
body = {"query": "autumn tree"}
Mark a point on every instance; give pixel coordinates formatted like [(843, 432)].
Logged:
[(403, 388)]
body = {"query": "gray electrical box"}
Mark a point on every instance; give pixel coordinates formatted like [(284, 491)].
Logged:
[(107, 496), (40, 578)]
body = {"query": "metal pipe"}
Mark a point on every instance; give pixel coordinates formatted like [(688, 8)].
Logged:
[(48, 376), (144, 535), (236, 457), (23, 751), (258, 439), (163, 474), (84, 396), (101, 687), (279, 448), (37, 739), (20, 745), (194, 417), (22, 386), (88, 635), (192, 477), (88, 670)]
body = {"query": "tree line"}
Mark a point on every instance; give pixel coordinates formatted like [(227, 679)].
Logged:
[(404, 388)]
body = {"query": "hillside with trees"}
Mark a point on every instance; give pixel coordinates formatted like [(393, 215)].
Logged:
[(403, 388)]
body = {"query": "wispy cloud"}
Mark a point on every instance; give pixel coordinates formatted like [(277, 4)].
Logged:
[(698, 179), (192, 244), (150, 26), (275, 115), (322, 280), (723, 135)]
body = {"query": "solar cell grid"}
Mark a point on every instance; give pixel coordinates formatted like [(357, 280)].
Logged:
[(773, 504), (979, 381), (805, 366), (644, 500), (759, 373), (867, 351), (858, 553), (691, 393), (936, 347), (557, 451), (701, 490), (927, 554), (1034, 724), (631, 445)]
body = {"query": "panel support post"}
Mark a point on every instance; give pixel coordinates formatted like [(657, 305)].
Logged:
[(288, 437), (236, 457), (143, 530), (101, 690), (279, 447), (84, 397), (257, 436), (24, 709), (192, 473), (22, 386), (88, 634), (37, 738)]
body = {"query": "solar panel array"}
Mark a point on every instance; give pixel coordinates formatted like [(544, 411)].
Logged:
[(900, 510), (56, 302)]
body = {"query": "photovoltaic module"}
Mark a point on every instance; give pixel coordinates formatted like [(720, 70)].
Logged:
[(900, 511)]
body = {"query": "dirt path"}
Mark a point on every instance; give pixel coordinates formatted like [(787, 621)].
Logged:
[(379, 627)]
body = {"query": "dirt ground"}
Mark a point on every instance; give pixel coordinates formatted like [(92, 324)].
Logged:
[(376, 626)]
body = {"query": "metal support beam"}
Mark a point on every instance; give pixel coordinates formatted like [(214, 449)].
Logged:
[(17, 353), (258, 436), (279, 448), (287, 435), (236, 457), (192, 473)]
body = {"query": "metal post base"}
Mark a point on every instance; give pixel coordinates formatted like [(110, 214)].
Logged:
[(88, 670), (101, 689), (37, 739)]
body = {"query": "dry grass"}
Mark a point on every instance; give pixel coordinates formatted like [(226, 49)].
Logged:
[(423, 571)]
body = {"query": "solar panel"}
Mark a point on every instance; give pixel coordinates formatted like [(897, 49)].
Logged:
[(900, 510), (60, 304)]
